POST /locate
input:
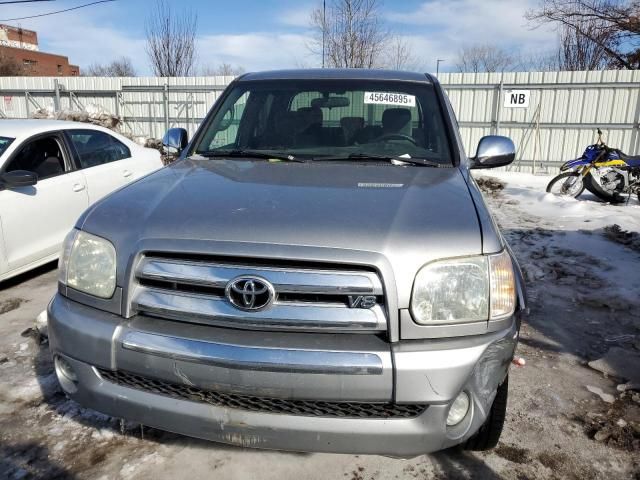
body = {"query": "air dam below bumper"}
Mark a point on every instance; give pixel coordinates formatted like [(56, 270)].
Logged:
[(361, 369)]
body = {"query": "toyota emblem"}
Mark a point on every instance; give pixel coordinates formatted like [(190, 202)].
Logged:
[(250, 293)]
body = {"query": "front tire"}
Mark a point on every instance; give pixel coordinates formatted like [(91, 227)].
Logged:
[(568, 184), (489, 433)]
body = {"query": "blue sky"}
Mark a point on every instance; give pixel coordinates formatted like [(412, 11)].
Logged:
[(267, 34)]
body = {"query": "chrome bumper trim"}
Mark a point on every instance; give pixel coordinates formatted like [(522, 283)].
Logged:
[(254, 358)]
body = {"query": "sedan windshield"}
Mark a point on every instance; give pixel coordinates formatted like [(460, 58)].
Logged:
[(334, 120), (4, 144)]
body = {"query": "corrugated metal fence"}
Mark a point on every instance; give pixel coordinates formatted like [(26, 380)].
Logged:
[(147, 105), (564, 108)]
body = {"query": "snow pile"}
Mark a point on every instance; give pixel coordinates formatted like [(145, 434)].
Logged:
[(91, 114)]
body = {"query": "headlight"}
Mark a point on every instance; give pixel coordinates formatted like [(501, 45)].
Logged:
[(88, 264), (470, 289)]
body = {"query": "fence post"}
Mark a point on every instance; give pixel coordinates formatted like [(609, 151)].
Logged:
[(116, 98), (56, 99), (499, 106), (495, 114), (187, 113), (166, 106), (635, 133)]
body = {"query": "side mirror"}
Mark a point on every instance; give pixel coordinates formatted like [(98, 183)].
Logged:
[(19, 178), (175, 140), (494, 151)]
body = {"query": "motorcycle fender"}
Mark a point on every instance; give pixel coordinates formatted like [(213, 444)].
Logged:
[(571, 164)]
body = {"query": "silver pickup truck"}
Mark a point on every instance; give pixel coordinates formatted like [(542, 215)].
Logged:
[(317, 272)]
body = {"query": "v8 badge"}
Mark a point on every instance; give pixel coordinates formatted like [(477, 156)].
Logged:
[(362, 301)]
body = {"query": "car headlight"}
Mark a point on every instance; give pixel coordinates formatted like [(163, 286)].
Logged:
[(88, 264), (469, 289)]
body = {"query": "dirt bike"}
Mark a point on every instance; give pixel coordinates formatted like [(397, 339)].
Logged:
[(606, 172)]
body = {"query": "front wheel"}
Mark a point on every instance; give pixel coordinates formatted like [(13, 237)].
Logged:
[(489, 433), (568, 184)]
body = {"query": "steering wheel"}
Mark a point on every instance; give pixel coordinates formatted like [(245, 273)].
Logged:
[(397, 136)]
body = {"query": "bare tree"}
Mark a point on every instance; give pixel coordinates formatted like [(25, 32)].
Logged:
[(121, 67), (578, 52), (351, 32), (539, 61), (9, 67), (171, 41), (224, 69), (398, 55), (485, 58), (612, 26)]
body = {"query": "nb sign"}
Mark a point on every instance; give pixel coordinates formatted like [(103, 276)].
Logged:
[(516, 98)]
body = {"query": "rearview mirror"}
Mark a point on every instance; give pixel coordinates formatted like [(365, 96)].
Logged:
[(175, 140), (494, 151), (19, 178), (330, 102)]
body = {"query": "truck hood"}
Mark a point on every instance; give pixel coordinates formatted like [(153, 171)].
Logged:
[(407, 215)]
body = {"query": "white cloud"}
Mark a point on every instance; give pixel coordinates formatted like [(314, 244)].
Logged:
[(450, 25), (255, 51), (299, 17), (93, 44)]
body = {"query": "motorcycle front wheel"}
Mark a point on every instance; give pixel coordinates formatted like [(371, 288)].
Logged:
[(568, 184)]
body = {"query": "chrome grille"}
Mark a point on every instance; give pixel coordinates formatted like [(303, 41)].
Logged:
[(262, 404), (308, 298)]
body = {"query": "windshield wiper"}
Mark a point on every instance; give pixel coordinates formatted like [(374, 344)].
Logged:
[(396, 160), (249, 154)]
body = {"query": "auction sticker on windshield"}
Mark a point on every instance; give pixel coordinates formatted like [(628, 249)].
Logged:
[(390, 98)]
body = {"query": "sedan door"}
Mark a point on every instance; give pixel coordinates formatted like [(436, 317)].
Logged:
[(36, 219), (106, 161)]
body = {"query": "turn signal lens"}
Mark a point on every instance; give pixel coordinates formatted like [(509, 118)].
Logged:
[(503, 287)]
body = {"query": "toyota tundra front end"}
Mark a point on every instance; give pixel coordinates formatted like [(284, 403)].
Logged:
[(316, 272)]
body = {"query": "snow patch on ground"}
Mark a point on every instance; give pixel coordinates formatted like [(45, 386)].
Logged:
[(569, 237), (585, 212)]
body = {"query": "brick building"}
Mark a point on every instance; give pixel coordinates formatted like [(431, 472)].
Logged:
[(21, 46)]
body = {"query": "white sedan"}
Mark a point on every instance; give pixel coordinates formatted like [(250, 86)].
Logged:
[(50, 172)]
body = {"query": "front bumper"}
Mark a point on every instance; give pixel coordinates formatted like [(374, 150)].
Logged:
[(429, 372)]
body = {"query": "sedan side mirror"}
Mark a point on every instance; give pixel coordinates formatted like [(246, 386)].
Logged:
[(175, 140), (494, 151), (19, 178)]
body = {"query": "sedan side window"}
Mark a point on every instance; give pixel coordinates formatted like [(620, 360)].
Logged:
[(43, 156), (97, 148)]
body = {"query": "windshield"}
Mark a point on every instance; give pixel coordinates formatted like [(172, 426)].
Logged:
[(337, 119), (4, 144)]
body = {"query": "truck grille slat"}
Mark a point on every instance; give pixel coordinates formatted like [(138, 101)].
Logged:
[(284, 280), (262, 404)]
